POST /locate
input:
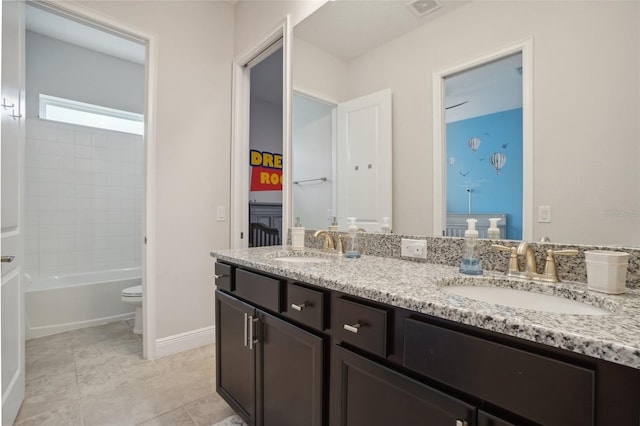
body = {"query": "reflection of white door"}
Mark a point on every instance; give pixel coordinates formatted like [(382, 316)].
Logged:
[(364, 160), (12, 130)]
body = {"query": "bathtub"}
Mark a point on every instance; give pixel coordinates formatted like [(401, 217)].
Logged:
[(69, 302)]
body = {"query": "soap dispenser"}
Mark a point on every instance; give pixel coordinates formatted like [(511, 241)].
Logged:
[(352, 245), (493, 233), (471, 264)]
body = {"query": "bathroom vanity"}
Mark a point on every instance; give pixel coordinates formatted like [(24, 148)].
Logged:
[(309, 338)]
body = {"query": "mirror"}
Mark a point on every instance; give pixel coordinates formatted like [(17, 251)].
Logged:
[(585, 96)]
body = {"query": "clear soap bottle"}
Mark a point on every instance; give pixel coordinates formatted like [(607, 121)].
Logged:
[(471, 264), (493, 233), (352, 245)]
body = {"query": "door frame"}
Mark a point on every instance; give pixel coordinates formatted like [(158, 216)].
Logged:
[(439, 133), (241, 88), (94, 18)]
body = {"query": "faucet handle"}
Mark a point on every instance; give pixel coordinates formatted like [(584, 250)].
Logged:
[(340, 244), (513, 258), (550, 273)]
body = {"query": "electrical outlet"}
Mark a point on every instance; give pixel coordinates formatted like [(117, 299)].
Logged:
[(416, 249)]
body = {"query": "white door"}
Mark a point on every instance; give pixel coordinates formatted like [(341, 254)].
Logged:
[(11, 224), (364, 160)]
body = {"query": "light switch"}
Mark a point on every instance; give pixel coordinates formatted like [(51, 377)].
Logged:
[(544, 214), (221, 216)]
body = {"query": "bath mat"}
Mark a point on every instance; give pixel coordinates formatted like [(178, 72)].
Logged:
[(234, 420)]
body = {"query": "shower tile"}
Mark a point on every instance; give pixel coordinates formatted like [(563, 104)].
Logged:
[(66, 176), (48, 175), (99, 191), (99, 166), (66, 190), (65, 163), (66, 150), (99, 140), (48, 259), (65, 260), (66, 134), (47, 148), (99, 152), (84, 164), (47, 132), (99, 178), (47, 161), (82, 151), (82, 138)]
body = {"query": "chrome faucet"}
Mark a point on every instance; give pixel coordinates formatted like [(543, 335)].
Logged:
[(530, 269), (330, 244)]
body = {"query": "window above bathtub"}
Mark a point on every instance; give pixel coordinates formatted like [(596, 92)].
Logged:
[(83, 114)]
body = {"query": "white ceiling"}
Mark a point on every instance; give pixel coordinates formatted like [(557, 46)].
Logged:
[(347, 29), (55, 26)]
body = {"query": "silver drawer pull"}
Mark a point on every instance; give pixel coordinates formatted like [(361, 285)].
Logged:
[(219, 277), (298, 307), (352, 328), (245, 329), (7, 259), (461, 423)]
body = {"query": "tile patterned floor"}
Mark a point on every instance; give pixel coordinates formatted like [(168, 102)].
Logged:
[(96, 376)]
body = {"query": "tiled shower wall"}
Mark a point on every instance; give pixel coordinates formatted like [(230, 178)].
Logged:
[(84, 199)]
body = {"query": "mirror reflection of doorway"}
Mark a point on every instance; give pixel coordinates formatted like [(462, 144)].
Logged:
[(484, 147)]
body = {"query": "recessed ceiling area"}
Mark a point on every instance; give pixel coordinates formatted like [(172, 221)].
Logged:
[(58, 27)]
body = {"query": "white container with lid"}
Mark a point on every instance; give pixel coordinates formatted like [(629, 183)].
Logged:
[(606, 270)]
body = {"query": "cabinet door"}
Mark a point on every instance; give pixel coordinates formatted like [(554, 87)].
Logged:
[(235, 358), (486, 419), (368, 394), (290, 374)]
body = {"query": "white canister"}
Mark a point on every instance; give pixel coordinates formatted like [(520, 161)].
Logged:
[(297, 237), (606, 271)]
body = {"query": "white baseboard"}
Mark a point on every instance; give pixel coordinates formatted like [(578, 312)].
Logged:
[(170, 345), (47, 330)]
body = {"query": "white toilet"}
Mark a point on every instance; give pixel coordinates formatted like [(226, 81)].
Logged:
[(133, 295)]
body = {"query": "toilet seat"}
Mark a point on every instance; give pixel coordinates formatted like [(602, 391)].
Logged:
[(135, 291)]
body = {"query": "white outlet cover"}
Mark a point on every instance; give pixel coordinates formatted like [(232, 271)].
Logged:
[(415, 249)]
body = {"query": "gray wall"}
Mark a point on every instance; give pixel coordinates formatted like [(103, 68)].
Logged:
[(67, 71)]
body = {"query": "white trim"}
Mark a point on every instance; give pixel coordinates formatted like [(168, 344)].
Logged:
[(170, 345), (46, 330), (92, 17), (239, 202), (439, 133)]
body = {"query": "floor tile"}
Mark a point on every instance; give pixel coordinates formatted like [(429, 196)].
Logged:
[(209, 410), (64, 414), (97, 376), (177, 417)]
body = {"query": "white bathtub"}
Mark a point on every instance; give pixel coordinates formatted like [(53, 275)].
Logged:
[(68, 302)]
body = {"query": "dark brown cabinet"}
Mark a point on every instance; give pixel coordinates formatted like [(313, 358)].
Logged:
[(235, 360), (369, 394), (268, 369), (290, 369), (290, 354)]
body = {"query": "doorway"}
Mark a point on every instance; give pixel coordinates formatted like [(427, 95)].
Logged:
[(85, 162), (453, 173)]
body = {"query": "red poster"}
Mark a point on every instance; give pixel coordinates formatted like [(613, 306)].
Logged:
[(266, 179)]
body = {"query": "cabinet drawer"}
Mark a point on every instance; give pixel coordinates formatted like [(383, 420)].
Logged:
[(544, 390), (306, 306), (259, 289), (362, 325), (224, 276)]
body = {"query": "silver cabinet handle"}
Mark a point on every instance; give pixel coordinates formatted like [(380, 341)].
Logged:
[(299, 307), (245, 329), (217, 277), (352, 328), (252, 340), (461, 423), (7, 259)]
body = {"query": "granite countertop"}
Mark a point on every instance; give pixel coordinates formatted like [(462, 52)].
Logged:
[(421, 287)]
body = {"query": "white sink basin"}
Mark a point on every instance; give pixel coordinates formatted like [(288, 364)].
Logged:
[(303, 259), (525, 299)]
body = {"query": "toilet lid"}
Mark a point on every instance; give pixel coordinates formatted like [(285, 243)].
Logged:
[(132, 291)]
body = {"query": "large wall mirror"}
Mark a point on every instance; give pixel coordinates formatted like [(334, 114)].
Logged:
[(585, 92)]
